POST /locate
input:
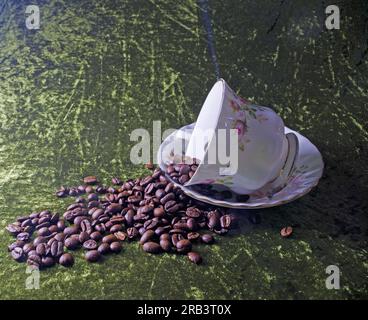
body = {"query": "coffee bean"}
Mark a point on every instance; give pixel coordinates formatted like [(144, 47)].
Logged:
[(165, 245), (152, 247), (207, 238), (167, 198), (171, 206), (71, 243), (109, 238), (132, 232), (193, 212), (28, 247), (39, 240), (225, 221), (183, 246), (56, 249), (34, 260), (116, 181), (193, 236), (41, 249), (93, 256), (17, 254), (90, 180), (47, 262), (115, 247), (194, 257), (70, 230), (23, 236), (83, 236), (103, 248), (286, 232), (120, 235), (66, 260), (90, 244), (114, 208), (147, 236)]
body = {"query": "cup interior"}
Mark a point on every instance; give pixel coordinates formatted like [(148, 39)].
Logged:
[(207, 122)]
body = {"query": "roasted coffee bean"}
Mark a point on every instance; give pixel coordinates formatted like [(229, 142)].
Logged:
[(66, 260), (194, 257), (193, 212), (70, 230), (192, 224), (85, 226), (132, 232), (151, 224), (96, 235), (184, 178), (116, 181), (152, 247), (90, 180), (159, 212), (117, 220), (41, 249), (213, 222), (13, 229), (103, 248), (90, 244), (83, 236), (61, 225), (114, 208), (17, 254), (207, 238), (116, 228), (171, 206), (34, 260), (109, 238), (59, 236), (93, 256), (167, 198), (93, 204), (28, 247), (183, 246), (165, 236), (47, 262), (120, 235), (165, 245), (53, 229), (18, 243), (193, 236), (286, 232), (23, 236), (115, 247), (71, 243), (57, 248), (176, 237), (225, 221), (92, 197), (39, 240), (147, 236)]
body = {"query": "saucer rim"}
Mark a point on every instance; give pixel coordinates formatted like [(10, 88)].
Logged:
[(244, 205)]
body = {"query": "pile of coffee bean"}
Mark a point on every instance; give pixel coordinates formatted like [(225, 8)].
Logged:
[(151, 210), (182, 172)]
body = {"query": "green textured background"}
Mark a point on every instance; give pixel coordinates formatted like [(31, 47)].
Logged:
[(71, 92)]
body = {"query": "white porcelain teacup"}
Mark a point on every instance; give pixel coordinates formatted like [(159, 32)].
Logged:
[(261, 145)]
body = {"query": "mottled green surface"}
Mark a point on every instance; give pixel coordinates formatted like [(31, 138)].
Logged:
[(71, 92)]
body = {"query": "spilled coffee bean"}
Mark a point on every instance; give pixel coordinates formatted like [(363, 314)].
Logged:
[(151, 210)]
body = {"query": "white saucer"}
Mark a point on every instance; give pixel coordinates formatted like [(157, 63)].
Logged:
[(307, 171)]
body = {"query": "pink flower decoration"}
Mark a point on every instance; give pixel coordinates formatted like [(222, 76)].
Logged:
[(241, 127), (234, 105)]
